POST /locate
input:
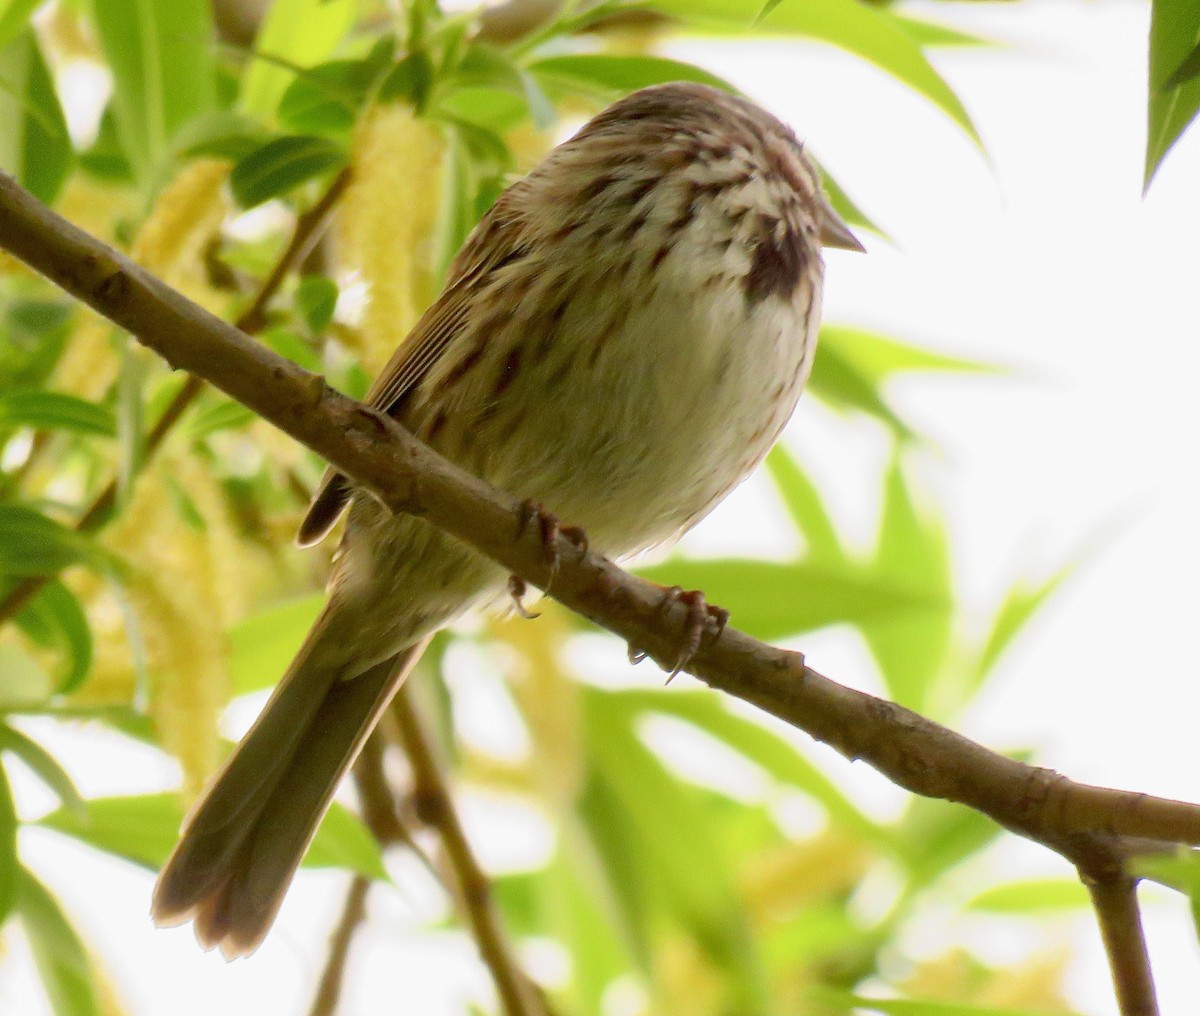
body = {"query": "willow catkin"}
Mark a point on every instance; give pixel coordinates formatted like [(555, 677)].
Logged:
[(183, 588), (387, 224), (170, 243), (550, 703)]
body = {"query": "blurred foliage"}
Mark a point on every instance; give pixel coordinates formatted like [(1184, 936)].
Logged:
[(148, 614)]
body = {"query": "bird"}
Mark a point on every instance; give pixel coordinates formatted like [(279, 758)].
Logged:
[(621, 340)]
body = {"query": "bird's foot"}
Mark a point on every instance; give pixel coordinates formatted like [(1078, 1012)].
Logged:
[(700, 620), (517, 590), (549, 530)]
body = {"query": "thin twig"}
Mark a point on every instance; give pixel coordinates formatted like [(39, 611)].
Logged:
[(305, 233), (379, 814), (1115, 901), (518, 995), (354, 910), (1078, 821)]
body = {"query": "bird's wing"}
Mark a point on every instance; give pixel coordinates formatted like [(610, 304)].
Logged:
[(494, 240)]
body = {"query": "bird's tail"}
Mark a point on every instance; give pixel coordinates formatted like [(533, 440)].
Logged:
[(242, 842)]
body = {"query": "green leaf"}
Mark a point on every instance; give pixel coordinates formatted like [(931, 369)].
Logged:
[(1032, 896), (32, 544), (409, 80), (298, 350), (9, 865), (929, 33), (221, 133), (43, 765), (613, 74), (14, 17), (1174, 33), (261, 647), (1187, 70), (692, 874), (1179, 871), (774, 754), (34, 144), (326, 98), (1021, 603), (852, 365), (316, 300), (491, 109), (772, 600), (32, 407), (35, 334), (107, 159), (58, 951), (297, 32), (935, 835), (131, 422), (878, 357), (844, 205), (912, 553), (580, 913), (161, 57), (804, 505), (281, 165), (342, 841), (769, 6), (143, 829), (835, 381), (216, 415), (912, 1007), (55, 618), (626, 875), (870, 32), (22, 682)]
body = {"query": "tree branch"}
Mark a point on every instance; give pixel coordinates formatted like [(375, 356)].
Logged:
[(354, 910), (305, 233), (1116, 904), (1083, 823), (518, 994)]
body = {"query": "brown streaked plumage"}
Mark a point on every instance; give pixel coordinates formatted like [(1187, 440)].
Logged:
[(621, 339)]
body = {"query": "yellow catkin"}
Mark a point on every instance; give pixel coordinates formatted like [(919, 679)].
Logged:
[(185, 216), (387, 222), (956, 976), (778, 882), (170, 243), (183, 586), (67, 34), (548, 700), (527, 145), (691, 985)]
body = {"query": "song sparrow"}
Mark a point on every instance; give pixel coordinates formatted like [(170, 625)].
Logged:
[(621, 339)]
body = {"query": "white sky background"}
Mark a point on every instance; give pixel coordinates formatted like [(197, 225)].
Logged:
[(1047, 260)]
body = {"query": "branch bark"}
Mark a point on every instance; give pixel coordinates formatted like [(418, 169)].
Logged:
[(1085, 824), (354, 911), (1116, 905)]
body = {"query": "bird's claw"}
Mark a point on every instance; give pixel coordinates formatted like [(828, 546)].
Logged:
[(700, 620), (534, 514), (548, 531), (517, 590)]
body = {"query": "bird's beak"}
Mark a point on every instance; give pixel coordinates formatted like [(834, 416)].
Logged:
[(835, 233)]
